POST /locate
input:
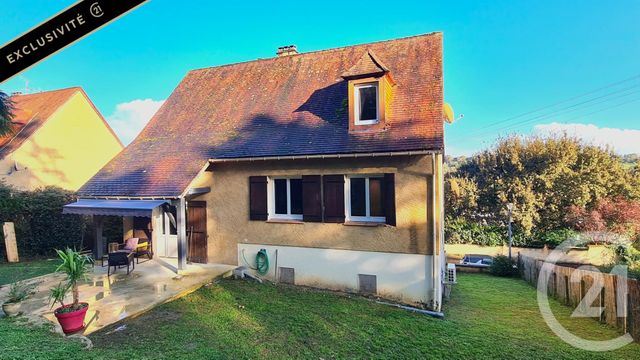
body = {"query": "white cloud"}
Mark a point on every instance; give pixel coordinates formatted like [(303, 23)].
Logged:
[(130, 117), (622, 141)]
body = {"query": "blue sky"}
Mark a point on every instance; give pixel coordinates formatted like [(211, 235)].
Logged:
[(502, 58)]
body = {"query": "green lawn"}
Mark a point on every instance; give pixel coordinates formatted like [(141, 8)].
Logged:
[(488, 317), (27, 269)]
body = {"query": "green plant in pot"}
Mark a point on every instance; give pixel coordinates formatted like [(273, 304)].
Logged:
[(76, 267), (18, 291)]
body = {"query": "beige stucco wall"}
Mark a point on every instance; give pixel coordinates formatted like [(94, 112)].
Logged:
[(69, 148), (228, 208)]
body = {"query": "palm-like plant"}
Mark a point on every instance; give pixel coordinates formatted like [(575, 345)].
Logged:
[(6, 113), (76, 266)]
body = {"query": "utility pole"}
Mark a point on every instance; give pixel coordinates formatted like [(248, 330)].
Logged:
[(510, 208)]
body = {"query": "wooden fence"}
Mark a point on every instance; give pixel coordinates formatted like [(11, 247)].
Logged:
[(569, 285)]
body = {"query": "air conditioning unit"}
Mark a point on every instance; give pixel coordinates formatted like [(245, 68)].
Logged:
[(450, 276)]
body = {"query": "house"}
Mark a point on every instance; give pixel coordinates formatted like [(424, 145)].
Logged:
[(58, 138), (330, 161)]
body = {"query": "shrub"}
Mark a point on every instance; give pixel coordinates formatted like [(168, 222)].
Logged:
[(554, 238), (39, 223), (460, 231), (502, 266)]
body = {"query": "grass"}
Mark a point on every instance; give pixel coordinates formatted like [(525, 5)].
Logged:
[(487, 317), (27, 269)]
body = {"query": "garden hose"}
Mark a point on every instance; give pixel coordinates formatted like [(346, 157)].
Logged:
[(262, 262)]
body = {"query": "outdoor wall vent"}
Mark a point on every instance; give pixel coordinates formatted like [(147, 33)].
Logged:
[(287, 275), (451, 277), (367, 284)]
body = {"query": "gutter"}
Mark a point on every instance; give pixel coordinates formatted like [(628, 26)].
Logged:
[(128, 197), (434, 268), (326, 156)]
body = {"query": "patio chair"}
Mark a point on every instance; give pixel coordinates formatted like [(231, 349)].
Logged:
[(120, 258), (143, 248)]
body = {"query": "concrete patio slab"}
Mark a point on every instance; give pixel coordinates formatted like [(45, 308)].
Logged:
[(119, 296)]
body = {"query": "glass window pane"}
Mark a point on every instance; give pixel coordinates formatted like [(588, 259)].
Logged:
[(164, 225), (172, 228), (280, 186), (358, 201), (368, 103), (375, 197), (296, 196)]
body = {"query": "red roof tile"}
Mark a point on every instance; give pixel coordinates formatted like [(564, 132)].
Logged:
[(291, 105), (369, 64)]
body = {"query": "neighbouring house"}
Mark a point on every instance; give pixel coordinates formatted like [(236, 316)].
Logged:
[(331, 161), (58, 138)]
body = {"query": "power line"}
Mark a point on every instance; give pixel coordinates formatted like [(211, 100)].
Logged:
[(563, 101), (606, 108), (568, 109)]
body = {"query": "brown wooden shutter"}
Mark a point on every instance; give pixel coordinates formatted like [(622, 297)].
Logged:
[(258, 198), (333, 198), (390, 199), (311, 199)]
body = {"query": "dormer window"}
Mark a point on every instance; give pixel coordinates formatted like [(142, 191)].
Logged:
[(370, 88), (366, 104)]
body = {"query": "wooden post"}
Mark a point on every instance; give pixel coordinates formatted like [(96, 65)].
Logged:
[(182, 233), (10, 242), (98, 244)]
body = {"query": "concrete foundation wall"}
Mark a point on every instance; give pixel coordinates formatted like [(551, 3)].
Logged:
[(402, 277)]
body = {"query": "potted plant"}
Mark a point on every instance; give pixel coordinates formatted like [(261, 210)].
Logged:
[(18, 291), (76, 266)]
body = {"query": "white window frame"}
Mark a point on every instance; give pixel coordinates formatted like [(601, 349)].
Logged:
[(347, 200), (356, 101), (271, 199)]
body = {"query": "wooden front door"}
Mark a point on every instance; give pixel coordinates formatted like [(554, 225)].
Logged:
[(197, 231)]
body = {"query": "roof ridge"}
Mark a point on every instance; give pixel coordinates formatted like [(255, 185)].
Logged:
[(77, 88), (315, 51)]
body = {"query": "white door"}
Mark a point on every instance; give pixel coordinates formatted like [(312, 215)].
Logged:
[(167, 244)]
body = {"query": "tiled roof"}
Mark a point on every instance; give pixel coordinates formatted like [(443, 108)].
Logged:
[(369, 64), (291, 105), (31, 112)]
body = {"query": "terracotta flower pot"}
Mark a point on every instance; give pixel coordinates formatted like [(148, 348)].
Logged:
[(73, 321), (11, 309)]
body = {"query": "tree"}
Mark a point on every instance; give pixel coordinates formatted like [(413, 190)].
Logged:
[(543, 178), (6, 114), (461, 196)]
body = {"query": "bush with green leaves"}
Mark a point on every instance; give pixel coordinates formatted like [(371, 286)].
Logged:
[(18, 291), (502, 266), (40, 225), (460, 231), (37, 216)]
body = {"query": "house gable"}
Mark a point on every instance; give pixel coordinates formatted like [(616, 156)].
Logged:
[(64, 149)]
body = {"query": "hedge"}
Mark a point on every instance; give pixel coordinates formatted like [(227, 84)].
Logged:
[(40, 225), (458, 230)]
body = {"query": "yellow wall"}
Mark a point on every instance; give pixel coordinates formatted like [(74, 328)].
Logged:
[(69, 148), (228, 208)]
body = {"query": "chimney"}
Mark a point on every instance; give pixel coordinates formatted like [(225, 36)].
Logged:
[(287, 50)]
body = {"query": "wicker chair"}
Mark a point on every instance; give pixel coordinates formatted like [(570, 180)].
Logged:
[(144, 249), (119, 259)]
